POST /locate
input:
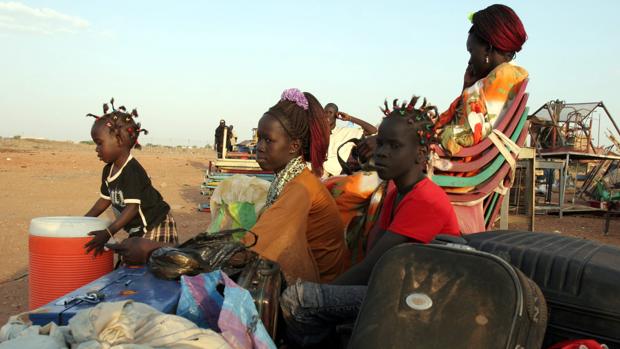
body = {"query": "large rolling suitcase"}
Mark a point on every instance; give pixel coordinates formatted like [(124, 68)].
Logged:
[(432, 296), (579, 278), (263, 279)]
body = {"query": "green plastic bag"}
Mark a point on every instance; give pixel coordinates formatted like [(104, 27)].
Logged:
[(232, 216)]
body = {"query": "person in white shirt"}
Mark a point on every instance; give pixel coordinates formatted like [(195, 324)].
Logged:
[(233, 139), (339, 135)]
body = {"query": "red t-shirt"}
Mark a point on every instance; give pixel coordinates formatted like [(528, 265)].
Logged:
[(423, 213)]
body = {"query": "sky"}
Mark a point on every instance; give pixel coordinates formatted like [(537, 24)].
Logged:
[(186, 64)]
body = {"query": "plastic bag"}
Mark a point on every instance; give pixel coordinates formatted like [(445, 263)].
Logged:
[(214, 301), (203, 253), (236, 202), (232, 215)]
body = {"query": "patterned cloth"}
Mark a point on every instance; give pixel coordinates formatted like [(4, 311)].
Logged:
[(166, 231), (359, 198), (472, 116), (292, 170)]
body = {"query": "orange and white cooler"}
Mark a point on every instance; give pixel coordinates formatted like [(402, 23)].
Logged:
[(58, 261)]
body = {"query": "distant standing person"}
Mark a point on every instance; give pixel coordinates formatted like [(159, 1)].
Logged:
[(219, 137), (233, 138), (339, 135)]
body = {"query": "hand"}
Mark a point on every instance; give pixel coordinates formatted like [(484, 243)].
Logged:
[(135, 251), (344, 116), (100, 237), (366, 148), (353, 164), (469, 78)]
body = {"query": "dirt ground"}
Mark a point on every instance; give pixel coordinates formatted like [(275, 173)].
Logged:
[(46, 178)]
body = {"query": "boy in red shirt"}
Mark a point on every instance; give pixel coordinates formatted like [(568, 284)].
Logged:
[(415, 210)]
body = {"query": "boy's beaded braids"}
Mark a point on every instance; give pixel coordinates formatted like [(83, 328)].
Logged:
[(421, 119), (121, 123)]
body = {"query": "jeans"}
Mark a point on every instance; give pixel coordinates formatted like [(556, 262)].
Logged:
[(312, 311)]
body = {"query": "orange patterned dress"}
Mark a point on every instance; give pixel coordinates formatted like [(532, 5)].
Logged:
[(472, 116)]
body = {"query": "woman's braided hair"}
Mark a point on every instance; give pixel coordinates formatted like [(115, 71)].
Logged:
[(121, 123), (309, 126), (420, 119)]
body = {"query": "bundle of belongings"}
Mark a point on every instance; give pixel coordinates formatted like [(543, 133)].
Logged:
[(223, 257), (237, 202), (229, 299), (117, 325)]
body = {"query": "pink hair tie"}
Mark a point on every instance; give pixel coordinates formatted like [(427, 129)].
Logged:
[(296, 96)]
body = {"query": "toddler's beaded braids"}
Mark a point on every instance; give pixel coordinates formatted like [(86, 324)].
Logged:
[(121, 123)]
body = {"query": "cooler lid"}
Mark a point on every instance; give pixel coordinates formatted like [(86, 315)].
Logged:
[(66, 226)]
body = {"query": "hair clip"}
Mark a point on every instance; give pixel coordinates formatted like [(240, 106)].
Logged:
[(296, 96)]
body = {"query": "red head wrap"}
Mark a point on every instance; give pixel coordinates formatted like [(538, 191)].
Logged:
[(500, 26)]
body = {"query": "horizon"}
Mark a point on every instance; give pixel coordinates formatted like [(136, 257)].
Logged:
[(186, 66)]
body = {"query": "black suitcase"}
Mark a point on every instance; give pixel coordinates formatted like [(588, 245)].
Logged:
[(579, 278), (433, 296), (263, 279)]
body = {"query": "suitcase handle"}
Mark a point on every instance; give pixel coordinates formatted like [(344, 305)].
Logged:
[(267, 268), (444, 239)]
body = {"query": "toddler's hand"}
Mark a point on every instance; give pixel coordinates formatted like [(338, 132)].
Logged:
[(100, 237), (366, 148)]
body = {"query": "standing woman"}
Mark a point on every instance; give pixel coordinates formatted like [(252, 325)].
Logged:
[(496, 35)]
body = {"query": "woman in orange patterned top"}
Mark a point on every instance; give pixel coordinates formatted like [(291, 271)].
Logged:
[(494, 38)]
